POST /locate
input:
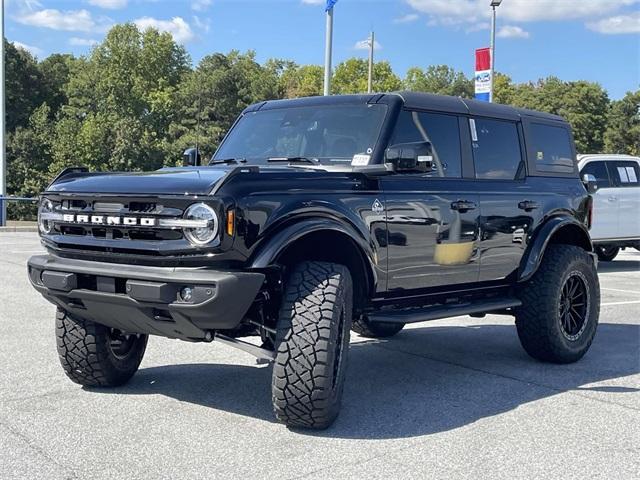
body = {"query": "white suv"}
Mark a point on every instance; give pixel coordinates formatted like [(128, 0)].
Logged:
[(616, 206)]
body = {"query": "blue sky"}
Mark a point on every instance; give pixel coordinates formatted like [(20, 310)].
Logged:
[(596, 40)]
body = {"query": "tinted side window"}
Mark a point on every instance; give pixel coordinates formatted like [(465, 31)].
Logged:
[(441, 131), (624, 174), (552, 148), (598, 170), (496, 149)]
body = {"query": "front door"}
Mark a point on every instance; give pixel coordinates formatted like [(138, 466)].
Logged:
[(432, 218), (605, 201)]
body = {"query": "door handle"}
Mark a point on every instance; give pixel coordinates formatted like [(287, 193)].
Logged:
[(612, 199), (463, 206), (528, 205)]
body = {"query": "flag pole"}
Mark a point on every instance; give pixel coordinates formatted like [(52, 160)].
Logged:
[(327, 52)]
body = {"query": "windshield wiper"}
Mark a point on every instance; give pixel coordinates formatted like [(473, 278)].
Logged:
[(294, 160), (227, 161)]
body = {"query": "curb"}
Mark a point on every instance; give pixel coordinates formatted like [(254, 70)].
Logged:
[(18, 229)]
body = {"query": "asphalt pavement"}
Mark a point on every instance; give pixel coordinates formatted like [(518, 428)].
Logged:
[(454, 398)]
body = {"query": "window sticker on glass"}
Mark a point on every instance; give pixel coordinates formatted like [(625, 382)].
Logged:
[(474, 132), (632, 175), (622, 173), (360, 160), (540, 156)]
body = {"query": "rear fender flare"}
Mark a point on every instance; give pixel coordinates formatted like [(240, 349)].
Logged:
[(576, 233)]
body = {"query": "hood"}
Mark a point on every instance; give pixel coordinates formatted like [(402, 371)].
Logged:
[(177, 181)]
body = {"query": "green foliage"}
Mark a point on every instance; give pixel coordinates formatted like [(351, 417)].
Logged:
[(351, 76), (211, 97), (136, 103), (121, 103), (23, 86), (623, 129), (440, 79), (584, 104)]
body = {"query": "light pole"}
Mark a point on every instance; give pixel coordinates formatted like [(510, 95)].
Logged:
[(494, 4), (3, 158), (372, 43)]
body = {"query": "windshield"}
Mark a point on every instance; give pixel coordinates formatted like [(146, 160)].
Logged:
[(326, 133)]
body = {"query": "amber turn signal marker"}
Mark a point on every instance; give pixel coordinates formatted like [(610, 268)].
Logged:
[(231, 222)]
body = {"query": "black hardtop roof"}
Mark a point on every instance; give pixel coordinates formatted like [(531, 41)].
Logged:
[(413, 100)]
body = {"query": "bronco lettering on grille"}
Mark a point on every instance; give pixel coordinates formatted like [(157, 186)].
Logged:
[(108, 220)]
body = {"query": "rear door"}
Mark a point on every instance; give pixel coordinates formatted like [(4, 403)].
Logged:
[(605, 201), (432, 218), (625, 175), (509, 207)]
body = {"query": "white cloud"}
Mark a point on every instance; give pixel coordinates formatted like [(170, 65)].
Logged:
[(456, 12), (177, 27), (511, 31), (83, 42), (109, 4), (364, 45), (478, 27), (35, 51), (408, 18), (314, 2), (617, 25), (71, 20), (200, 5), (202, 24)]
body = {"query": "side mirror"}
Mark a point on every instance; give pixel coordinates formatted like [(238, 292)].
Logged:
[(191, 157), (590, 183), (414, 156)]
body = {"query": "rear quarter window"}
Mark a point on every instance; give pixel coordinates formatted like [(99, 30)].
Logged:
[(624, 174), (551, 147)]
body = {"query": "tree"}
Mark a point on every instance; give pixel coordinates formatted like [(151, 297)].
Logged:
[(121, 102), (623, 125), (297, 80), (212, 96), (28, 158), (584, 104), (351, 76), (439, 79), (504, 91), (56, 71), (23, 86)]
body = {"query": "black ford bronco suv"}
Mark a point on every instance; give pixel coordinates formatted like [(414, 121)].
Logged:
[(319, 216)]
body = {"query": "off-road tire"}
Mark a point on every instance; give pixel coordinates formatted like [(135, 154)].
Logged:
[(364, 328), (539, 320), (86, 354), (606, 253), (312, 345)]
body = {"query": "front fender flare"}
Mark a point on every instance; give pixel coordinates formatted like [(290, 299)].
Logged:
[(533, 256), (271, 248)]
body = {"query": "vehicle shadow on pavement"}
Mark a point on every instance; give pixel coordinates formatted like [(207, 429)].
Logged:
[(423, 381), (619, 266)]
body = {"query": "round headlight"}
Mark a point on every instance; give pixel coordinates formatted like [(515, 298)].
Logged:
[(205, 214), (44, 225)]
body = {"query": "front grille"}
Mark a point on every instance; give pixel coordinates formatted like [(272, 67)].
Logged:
[(118, 227), (112, 233)]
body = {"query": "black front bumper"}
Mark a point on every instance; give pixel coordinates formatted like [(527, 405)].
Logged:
[(141, 299)]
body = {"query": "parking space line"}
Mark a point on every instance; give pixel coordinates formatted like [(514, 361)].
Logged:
[(619, 290), (619, 303)]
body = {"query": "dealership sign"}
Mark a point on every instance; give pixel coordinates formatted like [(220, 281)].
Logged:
[(483, 74)]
